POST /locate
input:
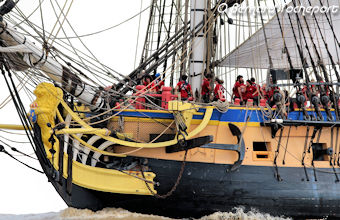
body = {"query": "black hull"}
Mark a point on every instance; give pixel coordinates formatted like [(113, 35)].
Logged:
[(207, 188)]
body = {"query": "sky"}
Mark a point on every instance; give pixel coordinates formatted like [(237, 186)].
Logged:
[(23, 191)]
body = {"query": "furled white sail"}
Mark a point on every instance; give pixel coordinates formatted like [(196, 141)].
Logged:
[(35, 57), (14, 49), (253, 52)]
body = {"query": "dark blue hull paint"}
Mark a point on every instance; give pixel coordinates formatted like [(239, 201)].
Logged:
[(207, 188), (232, 115)]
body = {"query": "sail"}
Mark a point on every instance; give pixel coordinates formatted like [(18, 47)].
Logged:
[(252, 53), (15, 49), (34, 57)]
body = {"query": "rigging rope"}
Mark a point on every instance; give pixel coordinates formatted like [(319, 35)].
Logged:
[(2, 150), (130, 100), (105, 29)]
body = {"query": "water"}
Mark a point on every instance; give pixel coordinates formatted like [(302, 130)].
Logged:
[(121, 214)]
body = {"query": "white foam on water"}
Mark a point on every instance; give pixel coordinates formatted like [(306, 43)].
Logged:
[(44, 216), (239, 214), (105, 214), (121, 214)]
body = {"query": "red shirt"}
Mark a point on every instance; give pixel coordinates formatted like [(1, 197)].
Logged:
[(235, 89), (304, 91), (250, 91), (149, 86), (268, 94), (205, 87), (184, 88), (218, 88), (257, 94), (159, 85)]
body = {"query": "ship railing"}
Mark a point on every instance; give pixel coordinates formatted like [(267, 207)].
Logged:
[(151, 100)]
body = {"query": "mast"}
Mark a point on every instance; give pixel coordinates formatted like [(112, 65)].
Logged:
[(184, 55), (198, 47)]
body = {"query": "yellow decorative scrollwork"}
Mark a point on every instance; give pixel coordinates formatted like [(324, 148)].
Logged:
[(45, 108)]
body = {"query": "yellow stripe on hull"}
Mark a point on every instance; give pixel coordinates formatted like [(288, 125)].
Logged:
[(108, 180)]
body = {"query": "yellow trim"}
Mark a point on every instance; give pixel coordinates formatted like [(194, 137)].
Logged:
[(12, 127), (225, 123), (83, 131), (153, 111), (193, 121), (143, 110), (45, 107), (108, 180), (198, 129), (88, 145), (138, 119), (244, 107)]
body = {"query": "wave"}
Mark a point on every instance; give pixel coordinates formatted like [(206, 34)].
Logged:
[(121, 214)]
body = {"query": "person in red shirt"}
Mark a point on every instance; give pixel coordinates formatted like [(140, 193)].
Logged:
[(257, 92), (149, 84), (184, 88), (250, 90), (159, 82), (238, 88), (219, 90), (267, 92), (206, 88)]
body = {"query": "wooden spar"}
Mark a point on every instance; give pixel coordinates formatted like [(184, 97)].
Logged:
[(12, 127), (38, 58)]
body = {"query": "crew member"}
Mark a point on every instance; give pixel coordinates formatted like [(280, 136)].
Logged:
[(219, 90), (256, 93), (206, 88), (238, 88), (184, 88), (267, 92), (149, 84), (250, 90), (159, 82)]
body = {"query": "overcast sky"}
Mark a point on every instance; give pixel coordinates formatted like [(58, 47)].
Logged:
[(21, 189)]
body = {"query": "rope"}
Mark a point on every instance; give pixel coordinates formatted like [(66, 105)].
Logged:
[(2, 150), (66, 19), (105, 29), (173, 189), (268, 114), (18, 151), (55, 25), (152, 87), (18, 142), (222, 107), (140, 18), (107, 164)]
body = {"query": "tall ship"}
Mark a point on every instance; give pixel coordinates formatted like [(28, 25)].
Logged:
[(105, 139)]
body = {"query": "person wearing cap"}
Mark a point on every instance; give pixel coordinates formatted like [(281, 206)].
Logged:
[(159, 82), (238, 87)]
